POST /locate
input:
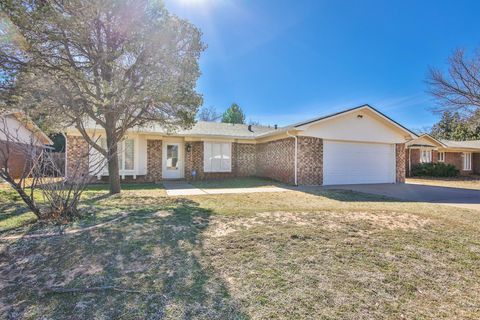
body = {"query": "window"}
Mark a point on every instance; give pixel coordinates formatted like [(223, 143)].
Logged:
[(441, 157), (126, 155), (172, 157), (217, 157), (467, 161), (129, 154), (425, 155)]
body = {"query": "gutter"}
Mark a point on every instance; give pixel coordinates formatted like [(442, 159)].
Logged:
[(296, 155)]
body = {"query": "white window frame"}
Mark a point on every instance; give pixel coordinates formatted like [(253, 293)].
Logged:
[(425, 155), (441, 156), (467, 161), (225, 154), (121, 155)]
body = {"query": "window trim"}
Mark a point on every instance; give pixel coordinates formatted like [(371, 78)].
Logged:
[(467, 165), (122, 166), (428, 157), (442, 157), (121, 156), (210, 169)]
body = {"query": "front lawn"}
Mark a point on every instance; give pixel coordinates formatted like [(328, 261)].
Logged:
[(466, 182), (321, 254), (247, 182)]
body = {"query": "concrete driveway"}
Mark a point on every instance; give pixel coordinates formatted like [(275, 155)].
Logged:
[(465, 198)]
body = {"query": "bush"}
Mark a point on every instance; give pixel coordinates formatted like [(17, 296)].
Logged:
[(435, 170)]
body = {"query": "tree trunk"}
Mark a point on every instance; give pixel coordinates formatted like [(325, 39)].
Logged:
[(112, 160)]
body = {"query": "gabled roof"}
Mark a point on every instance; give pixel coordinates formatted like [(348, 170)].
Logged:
[(361, 107), (241, 131), (434, 143), (29, 124)]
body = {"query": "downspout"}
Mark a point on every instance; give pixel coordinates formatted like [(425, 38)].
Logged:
[(296, 153)]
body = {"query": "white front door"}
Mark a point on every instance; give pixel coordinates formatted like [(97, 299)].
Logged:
[(358, 163), (172, 159)]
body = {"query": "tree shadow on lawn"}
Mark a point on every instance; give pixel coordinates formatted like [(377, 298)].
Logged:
[(157, 250), (345, 195)]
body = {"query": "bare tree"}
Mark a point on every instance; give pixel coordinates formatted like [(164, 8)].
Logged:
[(209, 114), (457, 90), (37, 176), (113, 63)]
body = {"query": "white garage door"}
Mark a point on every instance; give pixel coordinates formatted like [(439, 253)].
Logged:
[(357, 163)]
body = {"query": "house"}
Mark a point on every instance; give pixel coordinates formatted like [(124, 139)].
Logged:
[(464, 155), (18, 134), (358, 145)]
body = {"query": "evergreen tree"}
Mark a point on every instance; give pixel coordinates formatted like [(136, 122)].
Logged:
[(234, 114)]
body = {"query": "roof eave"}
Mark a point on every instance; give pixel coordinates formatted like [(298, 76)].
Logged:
[(364, 106)]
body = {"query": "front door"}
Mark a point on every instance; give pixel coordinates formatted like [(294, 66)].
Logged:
[(172, 160)]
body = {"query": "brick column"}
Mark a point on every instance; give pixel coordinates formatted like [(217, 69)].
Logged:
[(310, 161), (194, 160), (77, 157), (400, 162), (154, 160)]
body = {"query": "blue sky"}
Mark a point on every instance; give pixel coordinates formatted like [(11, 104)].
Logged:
[(286, 61)]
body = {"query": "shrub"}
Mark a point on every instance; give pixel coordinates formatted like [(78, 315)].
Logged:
[(435, 170)]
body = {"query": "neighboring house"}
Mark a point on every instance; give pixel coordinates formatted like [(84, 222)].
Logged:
[(358, 145), (18, 134), (464, 155)]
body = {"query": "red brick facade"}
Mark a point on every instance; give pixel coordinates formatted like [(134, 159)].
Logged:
[(154, 160), (275, 160), (77, 157), (16, 156), (243, 162), (476, 163), (246, 159), (453, 158), (400, 162), (310, 161)]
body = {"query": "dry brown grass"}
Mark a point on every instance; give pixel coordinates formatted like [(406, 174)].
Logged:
[(291, 255)]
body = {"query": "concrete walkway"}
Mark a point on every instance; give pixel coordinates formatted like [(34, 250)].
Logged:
[(457, 197), (182, 188)]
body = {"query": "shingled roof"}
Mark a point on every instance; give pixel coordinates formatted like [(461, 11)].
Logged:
[(470, 144), (225, 129)]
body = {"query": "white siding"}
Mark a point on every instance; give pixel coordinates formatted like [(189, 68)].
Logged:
[(356, 126), (16, 131)]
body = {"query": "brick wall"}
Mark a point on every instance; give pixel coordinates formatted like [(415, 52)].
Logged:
[(243, 162), (456, 159), (434, 156), (414, 156), (310, 161), (246, 156), (15, 155), (476, 163), (275, 160), (400, 161), (154, 160), (77, 157)]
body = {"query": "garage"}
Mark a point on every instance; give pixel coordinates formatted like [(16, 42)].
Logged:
[(358, 163)]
